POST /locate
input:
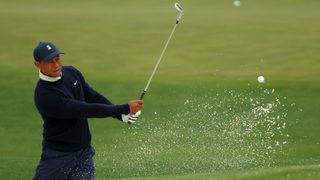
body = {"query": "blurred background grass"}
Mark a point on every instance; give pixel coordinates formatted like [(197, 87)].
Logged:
[(116, 43)]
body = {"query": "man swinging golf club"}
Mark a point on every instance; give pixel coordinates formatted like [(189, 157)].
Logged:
[(65, 100)]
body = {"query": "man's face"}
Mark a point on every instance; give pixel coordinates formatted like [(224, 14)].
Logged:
[(50, 68)]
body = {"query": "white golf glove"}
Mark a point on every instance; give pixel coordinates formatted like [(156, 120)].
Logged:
[(130, 119)]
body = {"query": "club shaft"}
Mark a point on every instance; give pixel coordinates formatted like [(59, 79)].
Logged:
[(159, 60)]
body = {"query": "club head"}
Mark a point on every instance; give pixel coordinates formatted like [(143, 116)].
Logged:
[(178, 7)]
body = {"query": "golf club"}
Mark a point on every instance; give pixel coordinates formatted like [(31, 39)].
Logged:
[(179, 9)]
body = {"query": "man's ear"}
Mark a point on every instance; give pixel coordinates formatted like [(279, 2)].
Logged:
[(37, 63)]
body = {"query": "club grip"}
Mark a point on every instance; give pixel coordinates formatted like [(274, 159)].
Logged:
[(142, 94)]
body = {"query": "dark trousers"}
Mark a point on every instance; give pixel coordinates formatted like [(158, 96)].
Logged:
[(66, 165)]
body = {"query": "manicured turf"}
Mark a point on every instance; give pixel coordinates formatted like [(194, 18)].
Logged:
[(201, 118)]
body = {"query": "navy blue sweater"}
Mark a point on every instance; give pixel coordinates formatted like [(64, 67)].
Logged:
[(65, 106)]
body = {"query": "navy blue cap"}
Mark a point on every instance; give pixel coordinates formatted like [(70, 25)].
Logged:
[(45, 51)]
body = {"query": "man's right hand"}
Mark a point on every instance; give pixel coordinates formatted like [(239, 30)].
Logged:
[(135, 106)]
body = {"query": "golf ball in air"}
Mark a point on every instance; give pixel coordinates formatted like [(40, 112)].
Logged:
[(261, 79), (236, 3)]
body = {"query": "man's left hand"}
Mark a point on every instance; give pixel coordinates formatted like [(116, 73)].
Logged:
[(130, 119)]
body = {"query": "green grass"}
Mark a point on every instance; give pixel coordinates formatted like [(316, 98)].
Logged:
[(214, 58), (292, 172)]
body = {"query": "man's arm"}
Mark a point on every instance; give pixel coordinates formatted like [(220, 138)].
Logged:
[(92, 96), (60, 107)]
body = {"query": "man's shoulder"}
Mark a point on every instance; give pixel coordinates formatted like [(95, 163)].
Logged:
[(45, 90), (70, 72), (69, 68)]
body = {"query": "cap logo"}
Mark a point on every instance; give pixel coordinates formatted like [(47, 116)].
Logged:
[(48, 47)]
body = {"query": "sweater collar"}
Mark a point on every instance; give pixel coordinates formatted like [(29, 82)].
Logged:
[(48, 78)]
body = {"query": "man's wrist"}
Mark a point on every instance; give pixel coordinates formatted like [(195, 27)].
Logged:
[(123, 108)]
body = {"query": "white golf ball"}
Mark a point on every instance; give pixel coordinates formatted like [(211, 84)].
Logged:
[(261, 79), (237, 3)]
